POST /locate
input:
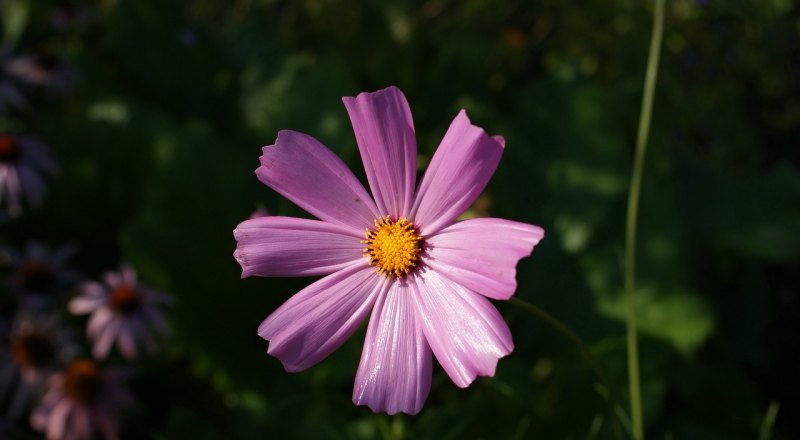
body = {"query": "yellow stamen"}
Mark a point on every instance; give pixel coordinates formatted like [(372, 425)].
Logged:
[(392, 246)]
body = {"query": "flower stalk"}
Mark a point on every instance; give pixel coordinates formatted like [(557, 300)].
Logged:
[(632, 214)]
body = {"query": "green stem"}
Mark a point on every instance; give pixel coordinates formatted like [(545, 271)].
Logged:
[(769, 421), (633, 209), (587, 355)]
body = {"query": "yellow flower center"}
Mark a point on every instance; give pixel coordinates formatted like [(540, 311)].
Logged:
[(393, 246)]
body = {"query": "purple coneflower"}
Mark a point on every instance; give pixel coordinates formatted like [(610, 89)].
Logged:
[(82, 401), (23, 160), (41, 274), (400, 256), (37, 345), (41, 68), (122, 311)]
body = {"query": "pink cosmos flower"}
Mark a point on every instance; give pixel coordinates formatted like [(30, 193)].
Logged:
[(122, 311), (82, 401), (400, 256), (23, 160)]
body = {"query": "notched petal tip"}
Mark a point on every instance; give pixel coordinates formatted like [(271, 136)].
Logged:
[(366, 95)]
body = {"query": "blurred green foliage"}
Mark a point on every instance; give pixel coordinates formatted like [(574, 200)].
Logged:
[(159, 138)]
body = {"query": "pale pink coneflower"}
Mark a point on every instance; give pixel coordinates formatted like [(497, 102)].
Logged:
[(82, 403), (123, 311), (399, 256)]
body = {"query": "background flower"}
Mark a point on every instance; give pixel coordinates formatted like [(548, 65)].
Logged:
[(23, 162), (82, 401), (122, 311)]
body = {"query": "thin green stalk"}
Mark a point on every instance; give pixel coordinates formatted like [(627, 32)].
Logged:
[(587, 355), (769, 421), (633, 209)]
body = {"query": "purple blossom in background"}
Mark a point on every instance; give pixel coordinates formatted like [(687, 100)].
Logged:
[(41, 68), (40, 275), (123, 311), (37, 345), (23, 161), (82, 402), (400, 256)]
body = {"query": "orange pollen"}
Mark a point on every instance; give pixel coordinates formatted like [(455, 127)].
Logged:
[(125, 299), (393, 246), (82, 381)]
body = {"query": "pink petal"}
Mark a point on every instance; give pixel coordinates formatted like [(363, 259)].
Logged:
[(286, 246), (384, 131), (98, 322), (317, 320), (81, 424), (394, 374), (128, 275), (102, 344), (482, 254), (93, 289), (460, 169), (310, 175), (83, 305), (57, 419), (126, 340), (464, 330)]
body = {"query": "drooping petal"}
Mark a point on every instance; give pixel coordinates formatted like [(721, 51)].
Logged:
[(57, 419), (286, 246), (98, 322), (304, 171), (81, 423), (126, 340), (459, 171), (318, 319), (481, 254), (384, 132), (394, 374), (464, 330), (105, 339)]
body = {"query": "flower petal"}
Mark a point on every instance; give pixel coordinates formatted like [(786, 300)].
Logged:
[(57, 419), (394, 374), (481, 254), (313, 177), (318, 319), (384, 131), (464, 330), (99, 321), (103, 342), (126, 340), (85, 304), (286, 246), (459, 171)]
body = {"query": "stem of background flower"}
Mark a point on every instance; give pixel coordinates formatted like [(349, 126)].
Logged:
[(633, 209), (769, 421), (587, 356)]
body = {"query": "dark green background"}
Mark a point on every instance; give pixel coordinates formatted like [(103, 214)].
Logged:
[(160, 135)]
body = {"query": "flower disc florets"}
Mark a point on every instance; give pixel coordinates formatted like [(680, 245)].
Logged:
[(393, 246), (82, 381), (9, 151)]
